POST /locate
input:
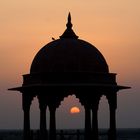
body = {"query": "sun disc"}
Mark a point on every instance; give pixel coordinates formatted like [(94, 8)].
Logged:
[(74, 110)]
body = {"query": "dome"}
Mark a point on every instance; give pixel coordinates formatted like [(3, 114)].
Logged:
[(69, 54)]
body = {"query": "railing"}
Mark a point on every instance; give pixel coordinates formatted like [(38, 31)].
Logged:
[(69, 135), (62, 135)]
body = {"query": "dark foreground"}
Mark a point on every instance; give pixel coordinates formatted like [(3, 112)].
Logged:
[(122, 134)]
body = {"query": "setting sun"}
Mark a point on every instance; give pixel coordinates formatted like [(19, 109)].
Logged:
[(74, 110)]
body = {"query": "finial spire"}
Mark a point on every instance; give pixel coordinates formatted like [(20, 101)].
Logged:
[(69, 24), (69, 33)]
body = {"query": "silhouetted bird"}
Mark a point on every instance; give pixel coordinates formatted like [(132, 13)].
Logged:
[(53, 38)]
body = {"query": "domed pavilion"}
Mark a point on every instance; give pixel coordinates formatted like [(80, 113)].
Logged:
[(64, 67)]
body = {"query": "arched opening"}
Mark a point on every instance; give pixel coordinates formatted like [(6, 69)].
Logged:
[(66, 119), (34, 114), (103, 113)]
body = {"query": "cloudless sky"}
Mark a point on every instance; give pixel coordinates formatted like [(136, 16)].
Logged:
[(113, 26)]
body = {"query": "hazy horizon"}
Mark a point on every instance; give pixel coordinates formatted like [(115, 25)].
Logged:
[(113, 27)]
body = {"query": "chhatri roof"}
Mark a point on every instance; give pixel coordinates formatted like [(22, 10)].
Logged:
[(69, 54), (69, 62)]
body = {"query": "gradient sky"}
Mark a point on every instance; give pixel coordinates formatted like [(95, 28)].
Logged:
[(113, 26)]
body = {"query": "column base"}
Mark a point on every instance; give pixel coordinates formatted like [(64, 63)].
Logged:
[(95, 136), (43, 135), (112, 135), (28, 135)]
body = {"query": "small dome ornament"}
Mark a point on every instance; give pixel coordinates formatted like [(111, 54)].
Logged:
[(69, 33)]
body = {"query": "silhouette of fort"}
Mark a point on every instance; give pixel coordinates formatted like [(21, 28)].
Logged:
[(63, 65)]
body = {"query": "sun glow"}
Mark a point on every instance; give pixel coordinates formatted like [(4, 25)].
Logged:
[(74, 110)]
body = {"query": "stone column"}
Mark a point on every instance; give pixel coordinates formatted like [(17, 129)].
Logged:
[(112, 106), (26, 102), (87, 123), (52, 130), (43, 129), (112, 130), (95, 135)]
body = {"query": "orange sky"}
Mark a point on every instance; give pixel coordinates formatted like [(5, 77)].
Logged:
[(112, 26)]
